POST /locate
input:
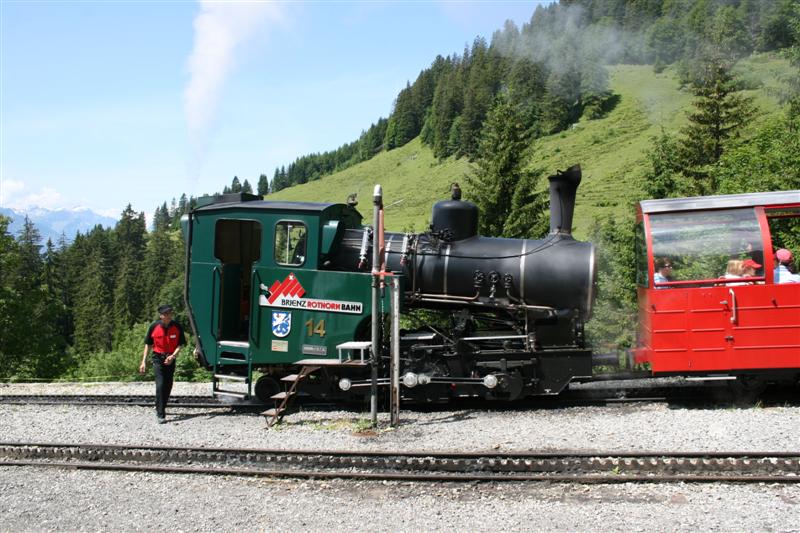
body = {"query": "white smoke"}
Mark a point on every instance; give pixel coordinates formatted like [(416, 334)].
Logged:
[(566, 31), (221, 31)]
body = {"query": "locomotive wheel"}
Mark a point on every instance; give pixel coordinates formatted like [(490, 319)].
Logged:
[(266, 387)]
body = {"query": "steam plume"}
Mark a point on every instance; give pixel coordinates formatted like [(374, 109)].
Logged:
[(221, 30)]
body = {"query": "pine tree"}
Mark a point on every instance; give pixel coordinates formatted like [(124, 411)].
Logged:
[(526, 89), (561, 103), (94, 297), (779, 21), (729, 33), (404, 124), (720, 113), (504, 190), (128, 291), (263, 184), (30, 257), (664, 178), (93, 307), (57, 281), (665, 41), (163, 264), (34, 355), (447, 105), (51, 267), (246, 187), (236, 187), (161, 218), (183, 205), (481, 85), (13, 322)]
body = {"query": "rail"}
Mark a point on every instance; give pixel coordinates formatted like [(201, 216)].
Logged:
[(573, 467)]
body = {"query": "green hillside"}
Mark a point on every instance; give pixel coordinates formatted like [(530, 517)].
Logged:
[(612, 151), (411, 178)]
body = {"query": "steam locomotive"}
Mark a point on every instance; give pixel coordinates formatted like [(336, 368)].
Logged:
[(275, 286)]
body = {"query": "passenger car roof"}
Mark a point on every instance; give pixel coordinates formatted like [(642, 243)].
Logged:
[(725, 201)]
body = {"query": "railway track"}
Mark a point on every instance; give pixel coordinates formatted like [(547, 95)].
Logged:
[(109, 400), (579, 397), (583, 467)]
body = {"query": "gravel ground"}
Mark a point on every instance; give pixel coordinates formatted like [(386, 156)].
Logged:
[(181, 388), (48, 499)]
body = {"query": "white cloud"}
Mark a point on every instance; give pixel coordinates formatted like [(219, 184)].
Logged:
[(14, 194), (9, 189), (111, 213), (221, 29)]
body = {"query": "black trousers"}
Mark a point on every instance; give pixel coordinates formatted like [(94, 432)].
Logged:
[(165, 375)]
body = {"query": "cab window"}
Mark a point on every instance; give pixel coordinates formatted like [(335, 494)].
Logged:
[(290, 243), (700, 244)]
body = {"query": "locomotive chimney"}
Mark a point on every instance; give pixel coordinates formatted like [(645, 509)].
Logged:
[(562, 200)]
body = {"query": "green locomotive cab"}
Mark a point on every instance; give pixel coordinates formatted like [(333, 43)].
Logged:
[(261, 290)]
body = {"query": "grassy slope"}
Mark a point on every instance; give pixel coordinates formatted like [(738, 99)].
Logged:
[(612, 152), (411, 178)]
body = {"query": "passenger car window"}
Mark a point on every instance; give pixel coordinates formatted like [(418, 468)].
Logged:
[(290, 243), (642, 279), (784, 226), (700, 244)]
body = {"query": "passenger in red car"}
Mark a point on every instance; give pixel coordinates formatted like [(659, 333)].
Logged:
[(663, 272), (750, 267), (782, 273), (735, 270)]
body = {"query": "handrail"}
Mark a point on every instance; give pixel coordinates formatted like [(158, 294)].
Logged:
[(214, 272), (733, 306), (715, 281), (254, 301)]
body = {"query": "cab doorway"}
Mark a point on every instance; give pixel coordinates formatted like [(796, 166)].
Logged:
[(237, 246)]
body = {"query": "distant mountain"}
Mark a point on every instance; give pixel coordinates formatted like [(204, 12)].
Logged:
[(52, 223)]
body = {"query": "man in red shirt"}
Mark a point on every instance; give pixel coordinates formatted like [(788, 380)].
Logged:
[(165, 338)]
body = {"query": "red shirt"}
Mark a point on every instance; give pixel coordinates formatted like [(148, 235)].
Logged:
[(165, 339)]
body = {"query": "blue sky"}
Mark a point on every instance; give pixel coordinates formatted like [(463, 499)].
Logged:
[(106, 103)]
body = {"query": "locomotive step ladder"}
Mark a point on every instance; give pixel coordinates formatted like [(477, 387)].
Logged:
[(231, 353), (218, 379), (282, 399), (309, 366)]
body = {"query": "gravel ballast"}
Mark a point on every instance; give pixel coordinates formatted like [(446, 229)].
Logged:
[(48, 499)]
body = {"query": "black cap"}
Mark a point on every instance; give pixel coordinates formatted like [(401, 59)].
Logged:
[(164, 309)]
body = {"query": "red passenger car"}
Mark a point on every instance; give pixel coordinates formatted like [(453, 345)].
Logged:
[(704, 316)]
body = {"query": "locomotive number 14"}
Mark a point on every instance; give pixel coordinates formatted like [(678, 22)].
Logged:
[(318, 328)]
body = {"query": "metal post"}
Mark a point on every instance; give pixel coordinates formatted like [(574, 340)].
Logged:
[(394, 398), (377, 200)]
